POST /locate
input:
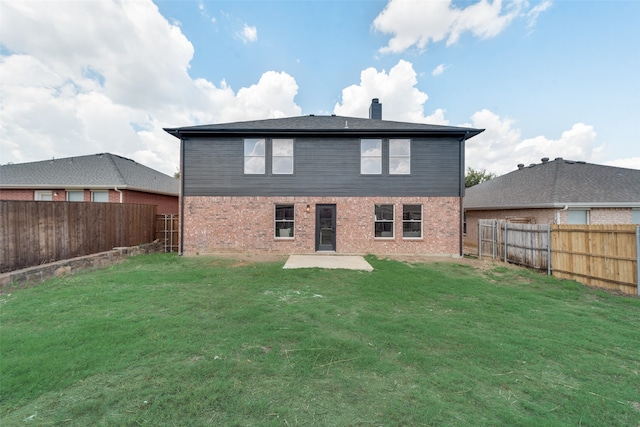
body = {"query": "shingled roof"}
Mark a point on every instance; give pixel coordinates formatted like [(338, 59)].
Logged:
[(555, 184), (325, 125), (97, 171)]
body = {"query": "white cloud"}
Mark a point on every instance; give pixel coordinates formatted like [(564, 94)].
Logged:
[(418, 23), (76, 89), (438, 70), (501, 146), (532, 15), (248, 34), (631, 163)]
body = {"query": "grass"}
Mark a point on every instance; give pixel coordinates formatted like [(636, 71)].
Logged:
[(165, 340)]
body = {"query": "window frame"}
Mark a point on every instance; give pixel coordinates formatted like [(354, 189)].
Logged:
[(249, 156), (413, 221), (377, 221), (69, 192), (363, 157), (571, 217), (291, 162), (396, 156), (40, 193), (276, 221), (93, 196)]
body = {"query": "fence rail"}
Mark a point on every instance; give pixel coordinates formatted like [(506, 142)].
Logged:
[(33, 233), (605, 256)]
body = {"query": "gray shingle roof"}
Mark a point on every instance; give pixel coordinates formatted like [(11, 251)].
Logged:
[(324, 125), (555, 184), (103, 170)]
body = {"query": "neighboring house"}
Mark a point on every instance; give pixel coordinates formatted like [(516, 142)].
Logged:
[(322, 183), (556, 192), (95, 178)]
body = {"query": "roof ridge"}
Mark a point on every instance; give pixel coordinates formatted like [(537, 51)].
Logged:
[(117, 169)]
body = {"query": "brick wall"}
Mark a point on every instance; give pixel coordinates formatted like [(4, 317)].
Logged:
[(167, 205), (246, 224), (15, 194)]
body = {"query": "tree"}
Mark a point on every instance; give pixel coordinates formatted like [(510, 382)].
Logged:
[(476, 176)]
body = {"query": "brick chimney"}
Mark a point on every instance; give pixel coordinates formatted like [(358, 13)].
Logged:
[(375, 110)]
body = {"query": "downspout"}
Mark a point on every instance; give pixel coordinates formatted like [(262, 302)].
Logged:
[(181, 196), (462, 187), (566, 207), (118, 191)]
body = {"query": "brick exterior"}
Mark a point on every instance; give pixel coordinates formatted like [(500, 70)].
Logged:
[(165, 204), (542, 216), (246, 224)]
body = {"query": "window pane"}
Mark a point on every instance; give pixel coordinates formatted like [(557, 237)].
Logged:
[(283, 147), (100, 196), (371, 147), (412, 212), (384, 212), (384, 229), (399, 147), (282, 165), (371, 165), (45, 196), (411, 229), (254, 147), (75, 196), (577, 217), (284, 221), (635, 216), (399, 165)]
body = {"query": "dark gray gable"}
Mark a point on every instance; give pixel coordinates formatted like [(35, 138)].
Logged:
[(98, 171), (556, 183)]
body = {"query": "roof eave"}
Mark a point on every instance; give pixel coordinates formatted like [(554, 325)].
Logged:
[(180, 132), (577, 205)]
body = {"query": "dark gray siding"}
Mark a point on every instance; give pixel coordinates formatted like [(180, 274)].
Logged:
[(322, 167)]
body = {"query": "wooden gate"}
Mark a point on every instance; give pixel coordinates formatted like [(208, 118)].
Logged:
[(167, 231)]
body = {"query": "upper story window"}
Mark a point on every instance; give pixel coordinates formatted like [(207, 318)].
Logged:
[(254, 156), (282, 156), (399, 156), (371, 156)]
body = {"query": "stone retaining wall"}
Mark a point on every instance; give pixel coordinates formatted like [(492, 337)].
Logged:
[(34, 275)]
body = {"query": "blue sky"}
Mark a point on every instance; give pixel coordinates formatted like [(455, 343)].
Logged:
[(544, 78)]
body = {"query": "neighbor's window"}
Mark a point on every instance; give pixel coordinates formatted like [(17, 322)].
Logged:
[(371, 156), (284, 221), (75, 196), (635, 216), (99, 196), (578, 217), (383, 221), (412, 221), (399, 156), (45, 196), (282, 157), (254, 156)]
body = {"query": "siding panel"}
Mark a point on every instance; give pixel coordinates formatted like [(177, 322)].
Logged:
[(322, 167)]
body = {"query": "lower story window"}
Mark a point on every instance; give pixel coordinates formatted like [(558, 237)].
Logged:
[(284, 221), (412, 221), (383, 221), (100, 196)]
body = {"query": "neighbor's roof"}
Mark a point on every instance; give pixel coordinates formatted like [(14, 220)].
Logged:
[(326, 125), (97, 171), (556, 184)]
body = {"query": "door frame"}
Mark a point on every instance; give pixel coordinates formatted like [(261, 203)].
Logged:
[(332, 246)]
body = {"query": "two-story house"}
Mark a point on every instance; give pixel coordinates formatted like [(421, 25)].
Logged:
[(322, 183)]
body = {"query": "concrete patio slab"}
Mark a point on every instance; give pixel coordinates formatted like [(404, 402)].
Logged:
[(349, 262)]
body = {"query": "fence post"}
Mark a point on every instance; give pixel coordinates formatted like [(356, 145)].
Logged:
[(494, 223), (548, 249), (638, 259), (505, 241), (479, 238)]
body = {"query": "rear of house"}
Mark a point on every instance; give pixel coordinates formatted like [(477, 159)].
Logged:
[(322, 183)]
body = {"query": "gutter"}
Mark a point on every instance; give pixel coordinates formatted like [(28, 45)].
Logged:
[(118, 191), (181, 197), (566, 207)]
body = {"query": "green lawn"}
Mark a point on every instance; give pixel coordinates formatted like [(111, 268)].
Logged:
[(161, 340)]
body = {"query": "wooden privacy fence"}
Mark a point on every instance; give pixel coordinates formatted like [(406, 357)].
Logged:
[(167, 231), (605, 256), (33, 233)]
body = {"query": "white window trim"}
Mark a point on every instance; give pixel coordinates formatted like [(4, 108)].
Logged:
[(39, 193), (276, 221), (263, 157), (414, 221), (408, 156), (362, 157), (393, 222)]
